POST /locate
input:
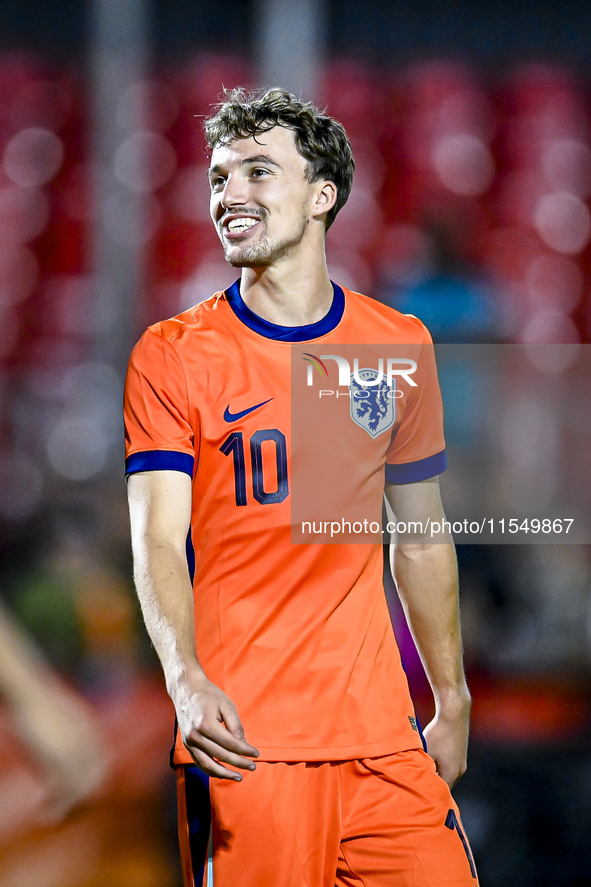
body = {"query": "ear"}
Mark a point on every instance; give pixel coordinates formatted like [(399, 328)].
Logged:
[(325, 198)]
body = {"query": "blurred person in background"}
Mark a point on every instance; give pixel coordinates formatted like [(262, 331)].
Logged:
[(54, 723), (264, 610), (85, 803), (453, 300)]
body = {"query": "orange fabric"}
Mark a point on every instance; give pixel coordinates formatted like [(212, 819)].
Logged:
[(373, 822), (298, 636)]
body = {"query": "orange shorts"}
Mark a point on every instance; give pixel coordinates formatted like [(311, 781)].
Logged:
[(374, 822)]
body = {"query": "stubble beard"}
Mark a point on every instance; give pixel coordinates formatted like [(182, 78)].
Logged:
[(261, 254), (264, 252)]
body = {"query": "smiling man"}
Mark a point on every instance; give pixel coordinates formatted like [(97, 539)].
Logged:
[(298, 756)]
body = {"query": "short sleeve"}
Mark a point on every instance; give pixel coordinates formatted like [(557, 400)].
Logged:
[(417, 450), (158, 431)]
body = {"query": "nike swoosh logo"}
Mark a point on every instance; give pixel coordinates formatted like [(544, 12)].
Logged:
[(233, 417)]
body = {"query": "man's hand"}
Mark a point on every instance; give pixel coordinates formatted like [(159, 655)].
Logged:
[(211, 729), (447, 739)]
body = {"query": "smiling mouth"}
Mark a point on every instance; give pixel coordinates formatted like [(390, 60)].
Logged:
[(239, 226)]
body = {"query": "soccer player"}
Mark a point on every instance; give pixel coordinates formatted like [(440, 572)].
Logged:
[(299, 759)]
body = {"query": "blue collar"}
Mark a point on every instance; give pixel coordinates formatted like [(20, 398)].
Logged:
[(287, 333)]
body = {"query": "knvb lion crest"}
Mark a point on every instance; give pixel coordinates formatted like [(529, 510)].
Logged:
[(372, 403)]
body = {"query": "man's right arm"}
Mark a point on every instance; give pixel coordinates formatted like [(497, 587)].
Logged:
[(160, 513)]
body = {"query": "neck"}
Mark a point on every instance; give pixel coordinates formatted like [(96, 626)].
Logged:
[(288, 293)]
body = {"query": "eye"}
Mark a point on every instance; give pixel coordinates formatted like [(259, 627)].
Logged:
[(216, 183), (259, 173)]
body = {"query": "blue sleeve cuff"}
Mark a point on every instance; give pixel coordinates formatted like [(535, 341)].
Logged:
[(412, 472), (160, 460)]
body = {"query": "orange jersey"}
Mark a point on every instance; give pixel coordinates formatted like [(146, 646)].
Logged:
[(298, 636)]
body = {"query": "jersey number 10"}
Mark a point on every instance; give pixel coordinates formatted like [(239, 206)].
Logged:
[(234, 444)]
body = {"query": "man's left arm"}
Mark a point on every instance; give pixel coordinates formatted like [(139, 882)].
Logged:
[(427, 580)]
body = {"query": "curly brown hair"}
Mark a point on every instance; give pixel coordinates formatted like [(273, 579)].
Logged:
[(321, 140)]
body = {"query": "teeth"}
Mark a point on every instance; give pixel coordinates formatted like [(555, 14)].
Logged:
[(238, 225)]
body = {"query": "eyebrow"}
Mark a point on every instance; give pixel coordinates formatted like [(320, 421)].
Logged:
[(256, 158)]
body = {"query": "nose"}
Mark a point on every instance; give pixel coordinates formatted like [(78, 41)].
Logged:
[(234, 192)]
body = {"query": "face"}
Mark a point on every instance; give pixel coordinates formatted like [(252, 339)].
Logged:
[(261, 202)]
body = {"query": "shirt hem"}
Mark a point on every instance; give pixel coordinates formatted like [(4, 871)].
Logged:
[(340, 753)]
